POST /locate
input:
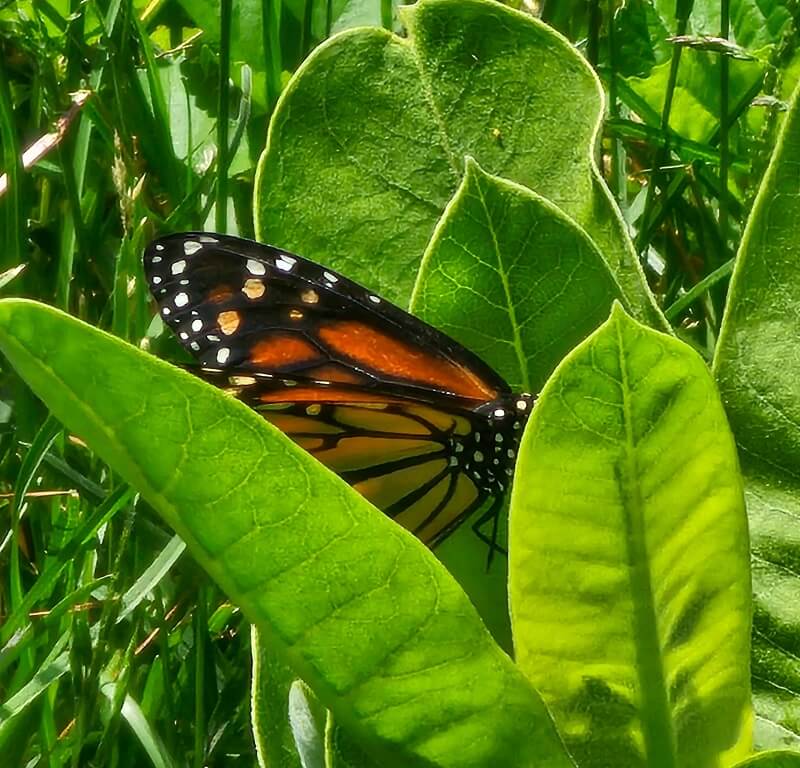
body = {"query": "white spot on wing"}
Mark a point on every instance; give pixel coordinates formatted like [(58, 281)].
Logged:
[(197, 325), (256, 267), (330, 277), (157, 259), (191, 246), (159, 247), (164, 310), (156, 279), (223, 353), (181, 299), (374, 299), (499, 413), (184, 335), (195, 346), (207, 239), (178, 266), (285, 263)]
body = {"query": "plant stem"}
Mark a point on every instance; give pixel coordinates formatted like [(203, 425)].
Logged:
[(593, 46), (12, 162), (221, 213), (271, 40), (642, 238), (617, 147), (724, 97)]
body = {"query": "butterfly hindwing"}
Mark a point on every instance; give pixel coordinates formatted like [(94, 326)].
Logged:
[(414, 461)]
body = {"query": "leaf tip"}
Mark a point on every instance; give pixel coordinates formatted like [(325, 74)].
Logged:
[(473, 171), (619, 318), (618, 312)]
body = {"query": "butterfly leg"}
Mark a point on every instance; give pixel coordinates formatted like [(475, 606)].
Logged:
[(492, 513)]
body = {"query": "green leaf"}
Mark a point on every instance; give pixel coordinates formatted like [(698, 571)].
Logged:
[(367, 144), (342, 751), (629, 577), (774, 759), (308, 720), (361, 609), (247, 37), (757, 366), (641, 38), (754, 23), (642, 29), (695, 105), (271, 682), (512, 278)]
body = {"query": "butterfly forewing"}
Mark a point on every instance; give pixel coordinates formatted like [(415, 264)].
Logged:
[(414, 421), (239, 305)]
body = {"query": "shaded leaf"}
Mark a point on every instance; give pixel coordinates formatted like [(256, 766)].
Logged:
[(367, 144), (757, 365), (695, 106), (775, 759), (271, 684), (629, 565), (513, 278)]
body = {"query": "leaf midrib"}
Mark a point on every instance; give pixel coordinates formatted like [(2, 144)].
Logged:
[(656, 720), (512, 314)]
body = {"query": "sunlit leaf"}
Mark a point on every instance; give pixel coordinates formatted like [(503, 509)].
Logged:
[(629, 562), (361, 610)]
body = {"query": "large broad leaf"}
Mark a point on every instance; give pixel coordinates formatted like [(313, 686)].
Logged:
[(696, 98), (367, 144), (642, 28), (513, 278), (757, 366), (775, 759), (516, 280), (629, 561), (359, 607)]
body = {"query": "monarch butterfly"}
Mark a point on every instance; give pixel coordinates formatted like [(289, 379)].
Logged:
[(410, 418)]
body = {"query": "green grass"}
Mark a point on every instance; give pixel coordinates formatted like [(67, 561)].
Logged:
[(142, 656)]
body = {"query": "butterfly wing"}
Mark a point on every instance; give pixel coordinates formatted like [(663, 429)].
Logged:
[(414, 461), (239, 305), (397, 408)]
